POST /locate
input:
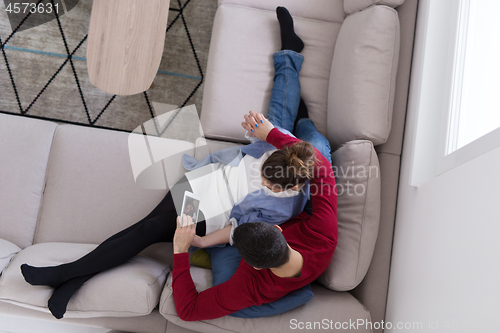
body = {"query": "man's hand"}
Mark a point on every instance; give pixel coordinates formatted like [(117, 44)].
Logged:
[(257, 124), (184, 236)]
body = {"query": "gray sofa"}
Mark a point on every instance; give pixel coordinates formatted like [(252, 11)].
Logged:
[(66, 188)]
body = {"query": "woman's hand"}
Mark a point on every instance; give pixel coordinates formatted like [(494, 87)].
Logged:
[(257, 124), (184, 235), (198, 241)]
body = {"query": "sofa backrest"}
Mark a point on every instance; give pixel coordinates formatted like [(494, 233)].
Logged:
[(351, 6), (66, 183), (363, 77), (90, 191), (24, 152), (324, 10), (240, 67), (347, 78)]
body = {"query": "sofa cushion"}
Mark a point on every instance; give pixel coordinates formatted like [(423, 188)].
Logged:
[(202, 278), (351, 6), (240, 68), (200, 258), (327, 307), (24, 151), (357, 173), (7, 251), (363, 75), (132, 289)]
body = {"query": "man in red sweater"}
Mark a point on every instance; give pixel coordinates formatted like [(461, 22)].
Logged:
[(306, 244)]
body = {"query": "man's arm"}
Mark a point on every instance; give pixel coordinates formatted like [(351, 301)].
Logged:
[(212, 303), (280, 139)]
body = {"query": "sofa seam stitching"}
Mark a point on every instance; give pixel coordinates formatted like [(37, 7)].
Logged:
[(9, 255), (160, 289), (389, 123), (270, 10), (42, 195), (364, 216), (13, 301)]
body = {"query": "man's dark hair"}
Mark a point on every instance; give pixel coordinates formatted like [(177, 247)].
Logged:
[(261, 245)]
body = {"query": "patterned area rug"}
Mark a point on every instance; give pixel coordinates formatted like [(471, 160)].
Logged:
[(43, 70)]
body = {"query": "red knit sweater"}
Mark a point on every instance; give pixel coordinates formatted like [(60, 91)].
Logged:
[(314, 237)]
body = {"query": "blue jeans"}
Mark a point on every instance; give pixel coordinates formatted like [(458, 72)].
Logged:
[(285, 99)]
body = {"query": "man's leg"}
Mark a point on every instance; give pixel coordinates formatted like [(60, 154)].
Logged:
[(285, 95), (289, 39), (306, 131)]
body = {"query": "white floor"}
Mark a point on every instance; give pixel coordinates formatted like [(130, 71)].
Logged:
[(26, 325)]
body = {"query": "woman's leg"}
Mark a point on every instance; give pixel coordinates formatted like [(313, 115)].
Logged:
[(158, 226), (68, 278), (59, 300), (285, 94), (109, 254), (62, 294)]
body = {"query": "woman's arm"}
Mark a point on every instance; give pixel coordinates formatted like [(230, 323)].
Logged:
[(215, 238)]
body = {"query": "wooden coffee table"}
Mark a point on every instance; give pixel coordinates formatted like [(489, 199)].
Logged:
[(125, 44)]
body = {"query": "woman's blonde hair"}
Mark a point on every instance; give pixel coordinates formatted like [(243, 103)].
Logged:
[(292, 165)]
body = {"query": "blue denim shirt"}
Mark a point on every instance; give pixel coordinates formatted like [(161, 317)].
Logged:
[(257, 206)]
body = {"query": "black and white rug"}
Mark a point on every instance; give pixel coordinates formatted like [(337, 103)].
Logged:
[(43, 71)]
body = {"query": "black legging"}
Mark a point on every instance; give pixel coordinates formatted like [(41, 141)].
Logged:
[(157, 226)]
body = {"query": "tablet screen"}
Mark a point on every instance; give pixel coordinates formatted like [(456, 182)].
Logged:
[(190, 206)]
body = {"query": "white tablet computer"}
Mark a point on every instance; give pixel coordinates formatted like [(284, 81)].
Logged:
[(190, 206)]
